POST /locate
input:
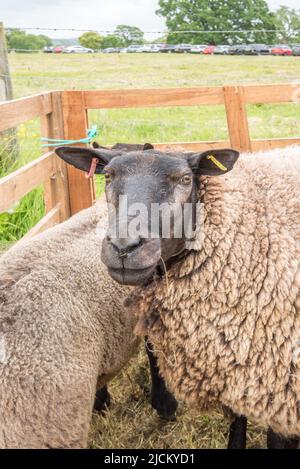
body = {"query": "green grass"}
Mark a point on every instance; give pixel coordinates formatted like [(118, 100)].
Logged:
[(96, 71), (130, 422), (16, 150), (161, 124)]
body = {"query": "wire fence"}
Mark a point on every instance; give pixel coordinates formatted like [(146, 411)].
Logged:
[(164, 33), (179, 31)]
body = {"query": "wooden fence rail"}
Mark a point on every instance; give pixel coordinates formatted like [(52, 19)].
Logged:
[(17, 111), (14, 186), (64, 115)]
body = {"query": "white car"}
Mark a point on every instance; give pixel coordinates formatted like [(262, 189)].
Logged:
[(77, 50), (198, 49), (156, 48), (133, 49), (146, 48)]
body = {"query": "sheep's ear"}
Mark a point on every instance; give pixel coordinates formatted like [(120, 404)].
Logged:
[(82, 158), (213, 162), (148, 146), (127, 147), (96, 145)]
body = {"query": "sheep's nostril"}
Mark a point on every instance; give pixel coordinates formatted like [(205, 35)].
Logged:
[(124, 246)]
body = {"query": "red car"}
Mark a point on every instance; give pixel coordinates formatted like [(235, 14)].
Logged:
[(209, 50), (57, 50), (281, 50)]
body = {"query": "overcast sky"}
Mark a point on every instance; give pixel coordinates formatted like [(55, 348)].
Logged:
[(89, 14)]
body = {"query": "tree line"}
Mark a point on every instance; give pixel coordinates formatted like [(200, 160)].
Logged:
[(211, 16), (229, 15), (123, 36)]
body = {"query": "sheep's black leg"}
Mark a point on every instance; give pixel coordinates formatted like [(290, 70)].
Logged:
[(276, 441), (161, 399), (102, 399), (238, 433)]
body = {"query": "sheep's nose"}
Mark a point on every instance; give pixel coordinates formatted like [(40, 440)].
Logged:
[(125, 245)]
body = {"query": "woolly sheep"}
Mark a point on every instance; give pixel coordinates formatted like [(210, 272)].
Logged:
[(220, 282), (63, 332), (225, 323)]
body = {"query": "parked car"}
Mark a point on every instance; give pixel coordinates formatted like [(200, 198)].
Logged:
[(48, 49), (243, 49), (209, 50), (221, 50), (156, 48), (183, 48), (58, 50), (150, 48), (133, 48), (281, 49), (147, 48), (111, 50), (232, 49), (198, 48), (296, 49), (77, 50), (167, 48), (260, 49)]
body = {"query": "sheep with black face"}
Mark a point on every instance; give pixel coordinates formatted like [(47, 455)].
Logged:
[(225, 323)]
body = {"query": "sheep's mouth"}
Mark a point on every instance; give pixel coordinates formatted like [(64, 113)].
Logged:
[(132, 276)]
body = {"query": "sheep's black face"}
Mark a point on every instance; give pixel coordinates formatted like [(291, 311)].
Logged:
[(151, 203), (146, 193)]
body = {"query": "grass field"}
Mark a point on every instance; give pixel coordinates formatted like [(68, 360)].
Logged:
[(130, 422), (39, 72)]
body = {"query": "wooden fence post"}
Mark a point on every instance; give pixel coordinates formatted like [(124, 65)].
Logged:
[(5, 78), (81, 189), (56, 189), (6, 94), (237, 119)]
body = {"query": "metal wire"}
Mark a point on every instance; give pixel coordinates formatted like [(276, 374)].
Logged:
[(179, 31)]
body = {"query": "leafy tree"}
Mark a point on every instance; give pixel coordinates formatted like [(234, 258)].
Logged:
[(18, 39), (217, 15), (47, 40), (129, 34), (288, 21), (91, 40), (112, 41)]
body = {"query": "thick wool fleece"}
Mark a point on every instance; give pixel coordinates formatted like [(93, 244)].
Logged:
[(63, 327), (226, 325)]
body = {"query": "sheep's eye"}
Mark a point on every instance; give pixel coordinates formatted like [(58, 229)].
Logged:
[(186, 179), (107, 178)]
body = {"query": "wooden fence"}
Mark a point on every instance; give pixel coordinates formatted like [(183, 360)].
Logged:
[(64, 115)]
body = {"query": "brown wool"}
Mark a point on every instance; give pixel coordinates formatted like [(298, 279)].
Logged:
[(227, 329)]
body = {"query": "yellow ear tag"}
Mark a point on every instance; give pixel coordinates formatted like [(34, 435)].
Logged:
[(216, 162)]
